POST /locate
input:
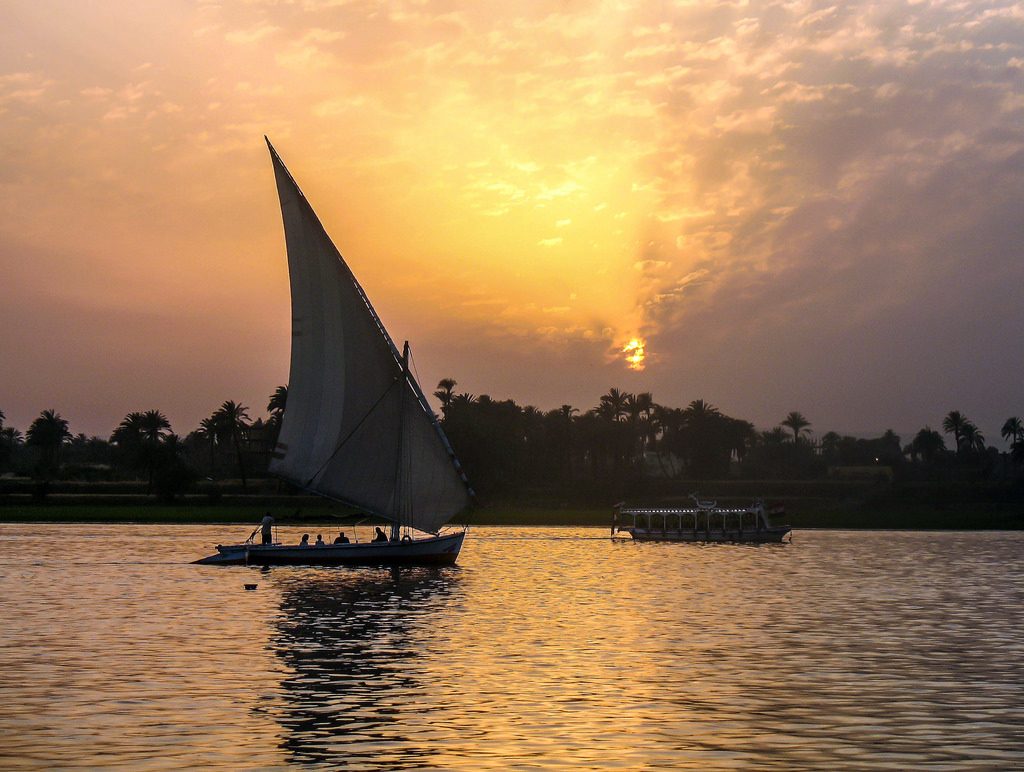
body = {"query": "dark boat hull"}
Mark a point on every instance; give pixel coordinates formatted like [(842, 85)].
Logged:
[(432, 551)]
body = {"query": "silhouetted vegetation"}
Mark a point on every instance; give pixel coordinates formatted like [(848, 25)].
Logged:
[(628, 443), (625, 445), (144, 447), (48, 434)]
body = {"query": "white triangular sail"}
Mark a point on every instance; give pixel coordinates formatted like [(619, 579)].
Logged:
[(356, 427)]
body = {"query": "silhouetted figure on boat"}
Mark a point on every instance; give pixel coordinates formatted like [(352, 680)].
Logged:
[(304, 542), (320, 540), (380, 535), (267, 527), (342, 538)]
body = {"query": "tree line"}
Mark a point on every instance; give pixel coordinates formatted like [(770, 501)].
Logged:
[(143, 446), (505, 447), (630, 437)]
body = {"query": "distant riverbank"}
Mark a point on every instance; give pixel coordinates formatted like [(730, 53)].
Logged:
[(808, 504), (967, 517)]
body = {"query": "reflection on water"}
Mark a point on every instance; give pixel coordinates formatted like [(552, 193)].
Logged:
[(544, 648), (351, 640)]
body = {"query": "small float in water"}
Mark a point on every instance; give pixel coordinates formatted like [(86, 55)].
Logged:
[(704, 522)]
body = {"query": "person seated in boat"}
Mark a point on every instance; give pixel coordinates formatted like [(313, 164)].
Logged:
[(304, 542), (342, 538), (379, 535), (267, 528), (320, 540)]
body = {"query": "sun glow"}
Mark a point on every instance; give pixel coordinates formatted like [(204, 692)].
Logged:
[(634, 351)]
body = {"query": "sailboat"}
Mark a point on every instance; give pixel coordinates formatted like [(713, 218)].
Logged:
[(357, 427)]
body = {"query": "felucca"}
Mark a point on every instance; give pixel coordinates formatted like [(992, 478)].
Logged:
[(357, 427)]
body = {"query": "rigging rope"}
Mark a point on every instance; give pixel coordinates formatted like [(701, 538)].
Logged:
[(354, 429)]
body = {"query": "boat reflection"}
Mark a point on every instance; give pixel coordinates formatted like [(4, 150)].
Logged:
[(352, 644)]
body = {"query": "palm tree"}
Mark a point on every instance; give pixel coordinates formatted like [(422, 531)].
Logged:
[(275, 406), (128, 434), (1017, 451), (648, 428), (740, 436), (231, 420), (564, 435), (954, 423), (665, 426), (2, 417), (830, 445), (1012, 431), (637, 407), (698, 414), (463, 399), (128, 439), (208, 429), (891, 450), (445, 393), (927, 443), (48, 432), (706, 447), (632, 407), (613, 404), (277, 403), (605, 411), (154, 427), (972, 437), (129, 430), (139, 436), (797, 423), (173, 473), (663, 429), (10, 441)]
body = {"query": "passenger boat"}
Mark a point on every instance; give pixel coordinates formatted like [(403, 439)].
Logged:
[(704, 522), (357, 427)]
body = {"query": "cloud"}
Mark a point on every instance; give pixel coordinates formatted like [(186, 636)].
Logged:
[(309, 52), (96, 92), (247, 37), (758, 188), (22, 89)]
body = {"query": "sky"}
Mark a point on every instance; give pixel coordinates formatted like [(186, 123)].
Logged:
[(790, 205)]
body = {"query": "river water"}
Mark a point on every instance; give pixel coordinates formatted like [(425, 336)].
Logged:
[(546, 648)]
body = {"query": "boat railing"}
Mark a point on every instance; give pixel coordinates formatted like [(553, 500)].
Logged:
[(706, 518)]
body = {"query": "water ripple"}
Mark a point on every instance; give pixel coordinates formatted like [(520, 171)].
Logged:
[(544, 648)]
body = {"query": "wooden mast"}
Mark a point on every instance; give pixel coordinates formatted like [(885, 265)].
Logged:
[(396, 525)]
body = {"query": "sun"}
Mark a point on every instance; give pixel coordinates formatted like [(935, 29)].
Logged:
[(634, 351)]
